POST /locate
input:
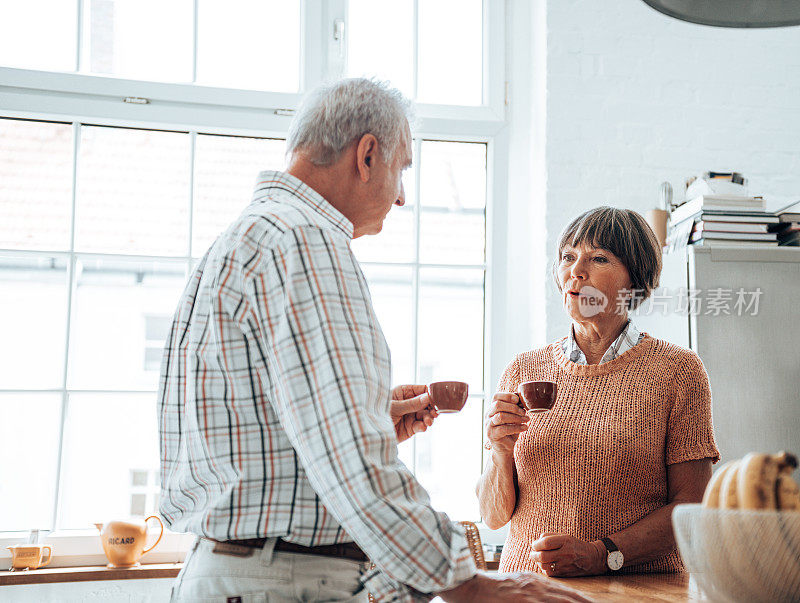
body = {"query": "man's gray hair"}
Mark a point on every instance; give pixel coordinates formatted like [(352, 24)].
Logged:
[(334, 115)]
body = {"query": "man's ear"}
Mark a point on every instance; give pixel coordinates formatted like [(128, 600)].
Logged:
[(366, 150)]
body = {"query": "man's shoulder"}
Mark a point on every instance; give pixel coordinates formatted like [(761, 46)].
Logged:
[(265, 224), (280, 213)]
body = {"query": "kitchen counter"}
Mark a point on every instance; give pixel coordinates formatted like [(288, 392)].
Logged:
[(631, 587), (636, 587)]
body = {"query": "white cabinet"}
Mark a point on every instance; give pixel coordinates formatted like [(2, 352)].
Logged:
[(753, 360)]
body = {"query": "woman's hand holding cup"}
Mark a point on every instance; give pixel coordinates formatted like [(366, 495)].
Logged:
[(505, 420)]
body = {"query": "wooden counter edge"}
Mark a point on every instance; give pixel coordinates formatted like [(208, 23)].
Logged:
[(88, 574)]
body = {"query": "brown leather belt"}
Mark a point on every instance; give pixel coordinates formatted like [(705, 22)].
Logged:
[(347, 550)]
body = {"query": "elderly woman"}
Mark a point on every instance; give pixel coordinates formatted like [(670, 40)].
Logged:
[(589, 486)]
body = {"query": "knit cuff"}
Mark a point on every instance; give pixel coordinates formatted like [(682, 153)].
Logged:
[(695, 453)]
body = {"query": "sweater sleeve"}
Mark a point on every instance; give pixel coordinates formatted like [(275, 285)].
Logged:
[(690, 433)]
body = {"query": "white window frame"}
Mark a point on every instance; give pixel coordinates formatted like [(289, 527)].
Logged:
[(79, 98)]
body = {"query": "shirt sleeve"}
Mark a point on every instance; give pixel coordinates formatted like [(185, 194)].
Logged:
[(322, 337), (690, 433)]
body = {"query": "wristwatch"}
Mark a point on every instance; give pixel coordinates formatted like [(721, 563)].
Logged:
[(614, 560)]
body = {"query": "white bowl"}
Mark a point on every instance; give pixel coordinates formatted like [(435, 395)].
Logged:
[(738, 555)]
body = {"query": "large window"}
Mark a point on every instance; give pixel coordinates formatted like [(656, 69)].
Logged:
[(91, 274), (209, 42), (436, 63), (105, 207)]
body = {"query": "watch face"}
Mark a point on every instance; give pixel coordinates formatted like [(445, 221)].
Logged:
[(615, 560)]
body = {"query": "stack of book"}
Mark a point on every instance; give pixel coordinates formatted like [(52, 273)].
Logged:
[(788, 227), (724, 220)]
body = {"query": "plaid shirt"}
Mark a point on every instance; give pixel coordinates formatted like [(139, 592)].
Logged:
[(274, 401), (629, 337)]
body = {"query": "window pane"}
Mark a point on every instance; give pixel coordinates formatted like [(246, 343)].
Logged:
[(253, 44), (452, 237), (133, 191), (392, 298), (448, 461), (453, 203), (451, 326), (110, 449), (139, 39), (226, 168), (35, 184), (450, 58), (39, 34), (453, 175), (121, 315), (369, 54), (33, 313), (395, 243), (28, 432), (405, 450)]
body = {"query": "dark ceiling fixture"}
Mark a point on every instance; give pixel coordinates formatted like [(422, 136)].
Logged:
[(732, 13)]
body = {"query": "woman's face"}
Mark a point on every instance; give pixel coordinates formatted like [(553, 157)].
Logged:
[(591, 281)]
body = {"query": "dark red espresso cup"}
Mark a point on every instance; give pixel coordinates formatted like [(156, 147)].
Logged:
[(448, 396), (538, 396)]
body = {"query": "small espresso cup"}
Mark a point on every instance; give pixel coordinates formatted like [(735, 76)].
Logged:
[(538, 396), (30, 556), (448, 396)]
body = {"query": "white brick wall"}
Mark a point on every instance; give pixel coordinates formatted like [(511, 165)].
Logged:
[(635, 98)]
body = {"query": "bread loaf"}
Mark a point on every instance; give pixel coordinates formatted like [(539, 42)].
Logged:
[(758, 481)]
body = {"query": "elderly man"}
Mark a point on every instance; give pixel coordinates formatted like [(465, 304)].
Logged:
[(278, 427)]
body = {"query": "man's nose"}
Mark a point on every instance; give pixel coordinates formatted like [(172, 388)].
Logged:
[(401, 200)]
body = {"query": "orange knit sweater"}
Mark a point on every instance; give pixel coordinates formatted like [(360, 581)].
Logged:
[(597, 462)]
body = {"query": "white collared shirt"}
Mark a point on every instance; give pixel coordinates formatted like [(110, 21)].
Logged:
[(629, 337)]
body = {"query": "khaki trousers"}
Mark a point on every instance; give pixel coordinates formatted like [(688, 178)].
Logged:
[(266, 576)]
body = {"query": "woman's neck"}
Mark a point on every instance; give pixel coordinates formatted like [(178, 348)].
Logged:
[(595, 338)]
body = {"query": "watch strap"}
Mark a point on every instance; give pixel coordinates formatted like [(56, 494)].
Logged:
[(609, 544)]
